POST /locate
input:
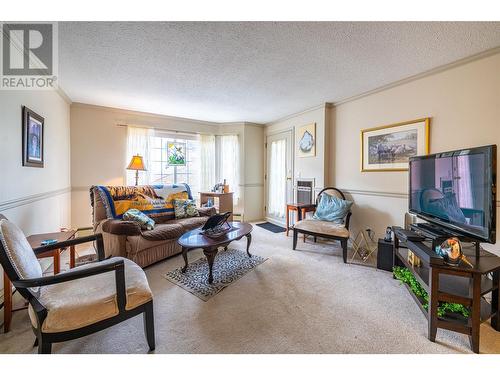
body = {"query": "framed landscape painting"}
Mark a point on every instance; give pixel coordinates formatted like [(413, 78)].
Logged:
[(33, 130), (176, 154), (388, 148)]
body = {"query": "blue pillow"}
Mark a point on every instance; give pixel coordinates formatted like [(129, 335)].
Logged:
[(331, 208)]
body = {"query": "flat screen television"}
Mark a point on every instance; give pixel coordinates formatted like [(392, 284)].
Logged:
[(456, 190)]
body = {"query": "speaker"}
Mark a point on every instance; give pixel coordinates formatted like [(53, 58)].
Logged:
[(385, 255)]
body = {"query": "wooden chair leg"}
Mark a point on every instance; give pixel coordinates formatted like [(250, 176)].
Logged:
[(344, 250), (44, 347), (149, 326), (295, 235)]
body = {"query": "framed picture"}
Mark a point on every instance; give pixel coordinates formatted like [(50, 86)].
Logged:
[(33, 131), (388, 148), (306, 139), (176, 154)]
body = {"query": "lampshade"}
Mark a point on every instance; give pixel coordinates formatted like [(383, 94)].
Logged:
[(136, 164)]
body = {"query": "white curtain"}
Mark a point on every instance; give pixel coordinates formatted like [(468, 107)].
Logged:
[(207, 162), (277, 179), (138, 143), (229, 164)]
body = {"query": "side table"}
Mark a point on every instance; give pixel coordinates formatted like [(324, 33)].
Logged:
[(301, 209), (34, 242)]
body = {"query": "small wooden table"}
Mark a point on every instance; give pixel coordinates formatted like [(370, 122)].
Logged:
[(225, 201), (195, 240), (34, 242), (301, 209)]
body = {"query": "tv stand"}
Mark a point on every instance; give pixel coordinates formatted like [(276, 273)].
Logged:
[(457, 284)]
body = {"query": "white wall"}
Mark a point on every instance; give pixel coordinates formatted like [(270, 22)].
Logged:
[(464, 104), (36, 199), (308, 167), (99, 148), (252, 183)]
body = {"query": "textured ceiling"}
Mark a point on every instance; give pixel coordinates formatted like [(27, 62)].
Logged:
[(251, 71)]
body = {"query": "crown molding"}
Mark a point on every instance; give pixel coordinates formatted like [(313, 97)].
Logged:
[(439, 69), (130, 112)]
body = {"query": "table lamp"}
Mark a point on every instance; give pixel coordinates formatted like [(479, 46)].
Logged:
[(136, 164)]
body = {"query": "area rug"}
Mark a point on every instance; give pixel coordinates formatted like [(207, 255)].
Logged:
[(272, 227), (229, 266)]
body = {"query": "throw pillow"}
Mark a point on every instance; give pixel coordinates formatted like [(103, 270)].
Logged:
[(185, 208), (139, 217), (332, 208)]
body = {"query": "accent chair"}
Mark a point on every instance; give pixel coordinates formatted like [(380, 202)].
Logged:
[(81, 301), (325, 229)]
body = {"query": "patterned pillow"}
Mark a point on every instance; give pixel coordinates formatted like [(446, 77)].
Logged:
[(144, 220), (185, 208)]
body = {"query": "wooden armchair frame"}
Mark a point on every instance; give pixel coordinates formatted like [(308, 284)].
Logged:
[(44, 340)]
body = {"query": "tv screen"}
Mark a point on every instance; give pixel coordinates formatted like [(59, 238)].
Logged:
[(456, 190)]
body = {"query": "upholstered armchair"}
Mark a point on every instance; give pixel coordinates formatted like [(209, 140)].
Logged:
[(81, 301), (325, 229)]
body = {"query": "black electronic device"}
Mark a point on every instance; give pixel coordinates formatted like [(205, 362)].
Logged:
[(408, 235), (456, 191)]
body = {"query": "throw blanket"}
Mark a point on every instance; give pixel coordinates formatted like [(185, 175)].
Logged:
[(153, 200)]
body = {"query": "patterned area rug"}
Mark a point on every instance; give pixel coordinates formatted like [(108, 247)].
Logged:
[(229, 266)]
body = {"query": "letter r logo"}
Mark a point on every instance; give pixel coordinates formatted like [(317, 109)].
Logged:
[(27, 49)]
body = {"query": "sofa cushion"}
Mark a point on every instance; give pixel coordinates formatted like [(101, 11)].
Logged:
[(323, 227), (79, 303), (191, 223), (121, 227), (167, 231)]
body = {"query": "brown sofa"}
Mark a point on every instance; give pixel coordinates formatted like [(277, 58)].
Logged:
[(144, 247)]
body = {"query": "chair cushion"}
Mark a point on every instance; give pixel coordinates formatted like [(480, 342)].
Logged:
[(332, 208), (82, 302), (19, 251), (322, 227)]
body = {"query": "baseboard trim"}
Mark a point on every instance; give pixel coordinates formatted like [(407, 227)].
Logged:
[(13, 203)]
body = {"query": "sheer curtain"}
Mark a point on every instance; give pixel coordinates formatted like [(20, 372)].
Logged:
[(229, 164), (277, 178), (139, 143), (207, 162)]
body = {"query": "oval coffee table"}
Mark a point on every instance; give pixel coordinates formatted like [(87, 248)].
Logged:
[(195, 240)]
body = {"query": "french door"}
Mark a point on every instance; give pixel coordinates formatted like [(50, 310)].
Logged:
[(279, 176)]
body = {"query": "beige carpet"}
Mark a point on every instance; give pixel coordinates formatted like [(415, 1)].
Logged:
[(304, 301)]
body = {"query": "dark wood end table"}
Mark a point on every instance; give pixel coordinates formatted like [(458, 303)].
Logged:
[(35, 242), (195, 240)]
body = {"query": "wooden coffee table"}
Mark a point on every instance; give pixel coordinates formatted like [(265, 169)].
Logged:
[(195, 240)]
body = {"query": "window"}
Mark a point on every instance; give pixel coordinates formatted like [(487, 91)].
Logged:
[(209, 159), (162, 173)]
